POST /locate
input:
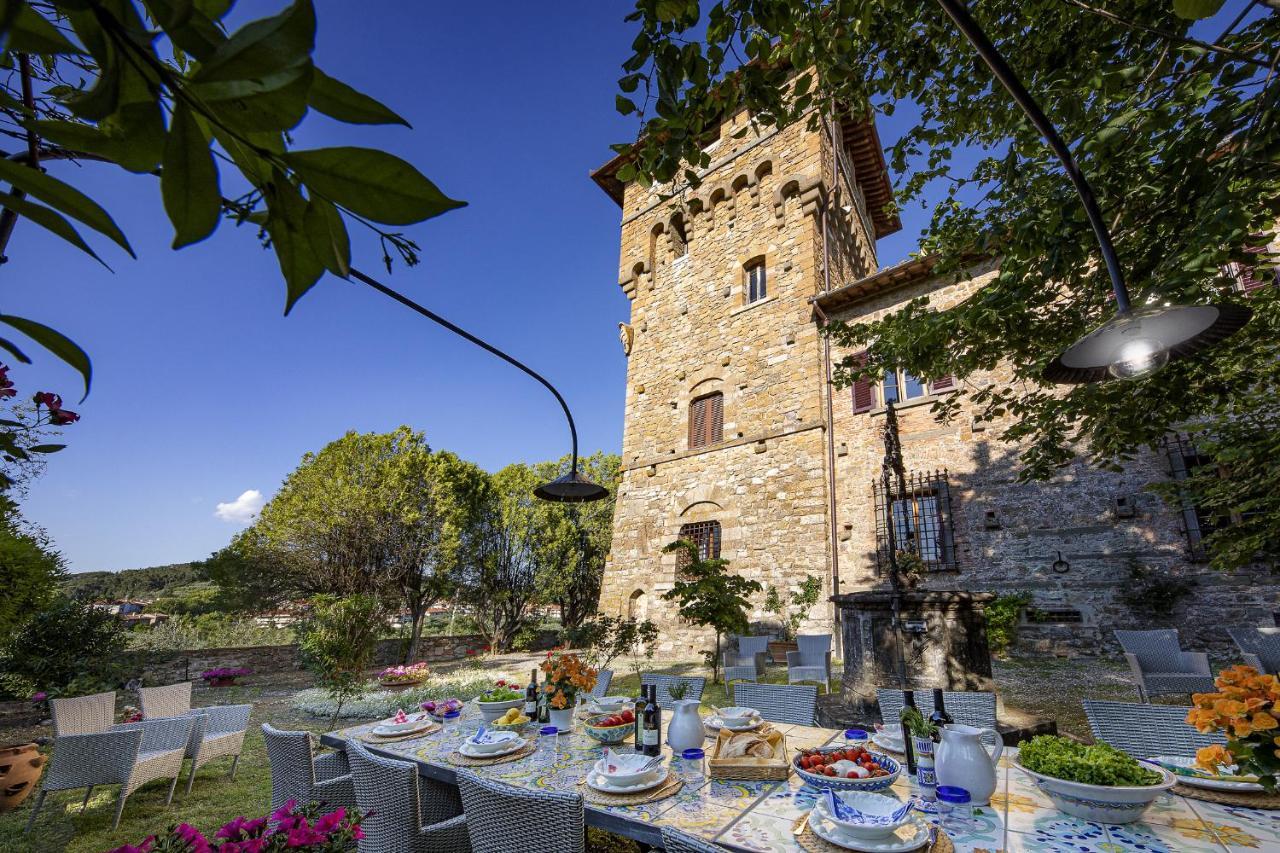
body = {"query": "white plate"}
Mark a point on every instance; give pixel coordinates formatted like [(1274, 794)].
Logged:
[(885, 742), (398, 729), (596, 782), (1213, 783), (910, 836), (467, 750), (716, 724)]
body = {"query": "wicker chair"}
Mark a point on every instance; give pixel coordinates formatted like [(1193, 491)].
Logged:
[(779, 702), (604, 678), (398, 816), (218, 732), (84, 715), (812, 662), (970, 708), (1260, 647), (297, 774), (675, 841), (1160, 667), (172, 700), (129, 755), (695, 683), (748, 662), (502, 818), (1144, 731)]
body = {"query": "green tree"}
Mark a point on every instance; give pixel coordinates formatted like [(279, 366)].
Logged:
[(216, 110), (67, 647), (709, 595), (30, 570), (337, 642), (1179, 137)]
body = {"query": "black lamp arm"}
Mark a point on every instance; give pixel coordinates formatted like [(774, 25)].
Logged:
[(959, 13), (457, 330)]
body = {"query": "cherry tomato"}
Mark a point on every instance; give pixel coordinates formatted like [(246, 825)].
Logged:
[(829, 771)]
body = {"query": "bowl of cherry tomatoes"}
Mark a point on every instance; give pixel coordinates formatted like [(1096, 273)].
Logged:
[(610, 728), (848, 768)]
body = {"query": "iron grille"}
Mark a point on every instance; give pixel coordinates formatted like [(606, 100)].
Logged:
[(921, 520), (1184, 458), (705, 536)]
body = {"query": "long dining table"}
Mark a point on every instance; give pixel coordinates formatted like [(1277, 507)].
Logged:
[(760, 816)]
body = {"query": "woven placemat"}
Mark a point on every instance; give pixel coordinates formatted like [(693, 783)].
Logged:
[(669, 788), (459, 760), (1261, 800), (809, 840), (372, 738)]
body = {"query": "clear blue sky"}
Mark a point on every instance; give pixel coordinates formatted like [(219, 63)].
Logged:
[(204, 390)]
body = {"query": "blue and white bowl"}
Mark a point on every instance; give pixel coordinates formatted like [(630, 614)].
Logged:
[(1102, 803), (873, 783), (863, 814)]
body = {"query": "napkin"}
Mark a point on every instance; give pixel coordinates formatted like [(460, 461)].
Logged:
[(485, 736), (400, 716), (623, 762), (847, 813)]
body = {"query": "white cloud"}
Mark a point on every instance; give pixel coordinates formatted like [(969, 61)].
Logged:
[(243, 509)]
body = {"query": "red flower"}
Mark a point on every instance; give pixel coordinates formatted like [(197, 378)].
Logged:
[(48, 398), (62, 417)]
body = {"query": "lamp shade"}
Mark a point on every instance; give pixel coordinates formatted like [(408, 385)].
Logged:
[(572, 488), (1136, 343)]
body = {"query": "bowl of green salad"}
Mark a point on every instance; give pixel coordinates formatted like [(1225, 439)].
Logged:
[(1093, 782)]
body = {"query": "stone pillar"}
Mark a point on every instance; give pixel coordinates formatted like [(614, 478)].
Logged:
[(944, 641)]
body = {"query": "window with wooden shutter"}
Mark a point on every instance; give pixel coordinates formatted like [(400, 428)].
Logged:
[(706, 420), (943, 383), (863, 393), (1248, 277)]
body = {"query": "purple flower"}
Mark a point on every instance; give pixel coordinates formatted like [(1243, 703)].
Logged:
[(284, 812), (328, 823), (144, 847), (196, 842), (39, 696)]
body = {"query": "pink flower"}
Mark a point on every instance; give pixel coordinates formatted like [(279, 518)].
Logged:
[(144, 847), (328, 823), (196, 842), (62, 417), (356, 832), (285, 811), (49, 399), (39, 697)]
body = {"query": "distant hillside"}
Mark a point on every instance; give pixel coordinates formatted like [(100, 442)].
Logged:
[(154, 582)]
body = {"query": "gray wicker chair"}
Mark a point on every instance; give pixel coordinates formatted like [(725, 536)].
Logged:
[(171, 700), (970, 708), (1145, 731), (297, 774), (812, 662), (398, 815), (83, 715), (128, 755), (675, 841), (1160, 667), (218, 733), (748, 662), (1259, 647), (502, 818), (695, 683), (780, 703), (604, 678)]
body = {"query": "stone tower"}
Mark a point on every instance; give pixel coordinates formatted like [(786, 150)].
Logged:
[(725, 440)]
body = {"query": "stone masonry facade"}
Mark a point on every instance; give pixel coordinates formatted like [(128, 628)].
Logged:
[(791, 488)]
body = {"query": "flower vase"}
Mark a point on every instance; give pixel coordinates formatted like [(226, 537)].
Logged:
[(685, 730), (561, 718), (926, 777)]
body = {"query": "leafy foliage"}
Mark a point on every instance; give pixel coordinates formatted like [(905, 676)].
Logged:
[(795, 610), (68, 648), (605, 638), (1092, 764), (1180, 139), (208, 631), (337, 641), (709, 595), (153, 582), (1153, 593), (29, 569), (1002, 615)]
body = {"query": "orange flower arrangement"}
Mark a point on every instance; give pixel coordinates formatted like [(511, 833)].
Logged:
[(565, 677), (1245, 708)]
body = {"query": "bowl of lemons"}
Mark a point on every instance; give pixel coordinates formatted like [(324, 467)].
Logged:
[(513, 720)]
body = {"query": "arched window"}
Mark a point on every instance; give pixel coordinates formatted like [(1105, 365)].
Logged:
[(756, 286), (705, 536), (679, 236), (706, 420), (637, 606)]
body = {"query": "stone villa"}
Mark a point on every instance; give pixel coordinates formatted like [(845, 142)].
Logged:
[(735, 439)]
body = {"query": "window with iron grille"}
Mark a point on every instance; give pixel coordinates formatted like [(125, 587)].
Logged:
[(757, 287), (705, 536), (920, 519), (706, 420), (1184, 459)]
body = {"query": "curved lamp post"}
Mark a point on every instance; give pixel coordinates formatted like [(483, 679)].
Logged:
[(572, 487), (1135, 342)]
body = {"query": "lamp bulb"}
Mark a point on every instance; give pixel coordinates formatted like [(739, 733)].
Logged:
[(1138, 357)]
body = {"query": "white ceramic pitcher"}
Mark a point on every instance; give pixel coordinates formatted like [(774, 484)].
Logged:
[(963, 761), (684, 730)]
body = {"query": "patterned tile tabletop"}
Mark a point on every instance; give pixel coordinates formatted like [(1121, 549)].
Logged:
[(758, 816)]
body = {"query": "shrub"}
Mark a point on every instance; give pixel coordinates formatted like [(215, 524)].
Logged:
[(1002, 621), (604, 638), (337, 642), (208, 631), (802, 600), (67, 648), (1153, 593)]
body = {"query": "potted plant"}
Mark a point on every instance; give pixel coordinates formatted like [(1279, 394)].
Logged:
[(1246, 710), (289, 827), (401, 677), (223, 676), (565, 678), (790, 614)]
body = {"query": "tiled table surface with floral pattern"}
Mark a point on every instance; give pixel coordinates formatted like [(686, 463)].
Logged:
[(758, 816)]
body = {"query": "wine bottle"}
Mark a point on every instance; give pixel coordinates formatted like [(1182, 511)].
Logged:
[(531, 696), (908, 749), (544, 711), (939, 717), (640, 708), (652, 731)]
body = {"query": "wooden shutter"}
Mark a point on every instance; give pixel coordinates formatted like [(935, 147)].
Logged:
[(863, 394), (697, 422), (1248, 276), (715, 419), (943, 383)]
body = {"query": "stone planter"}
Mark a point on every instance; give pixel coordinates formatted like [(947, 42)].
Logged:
[(397, 686), (221, 682), (778, 650), (20, 770)]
